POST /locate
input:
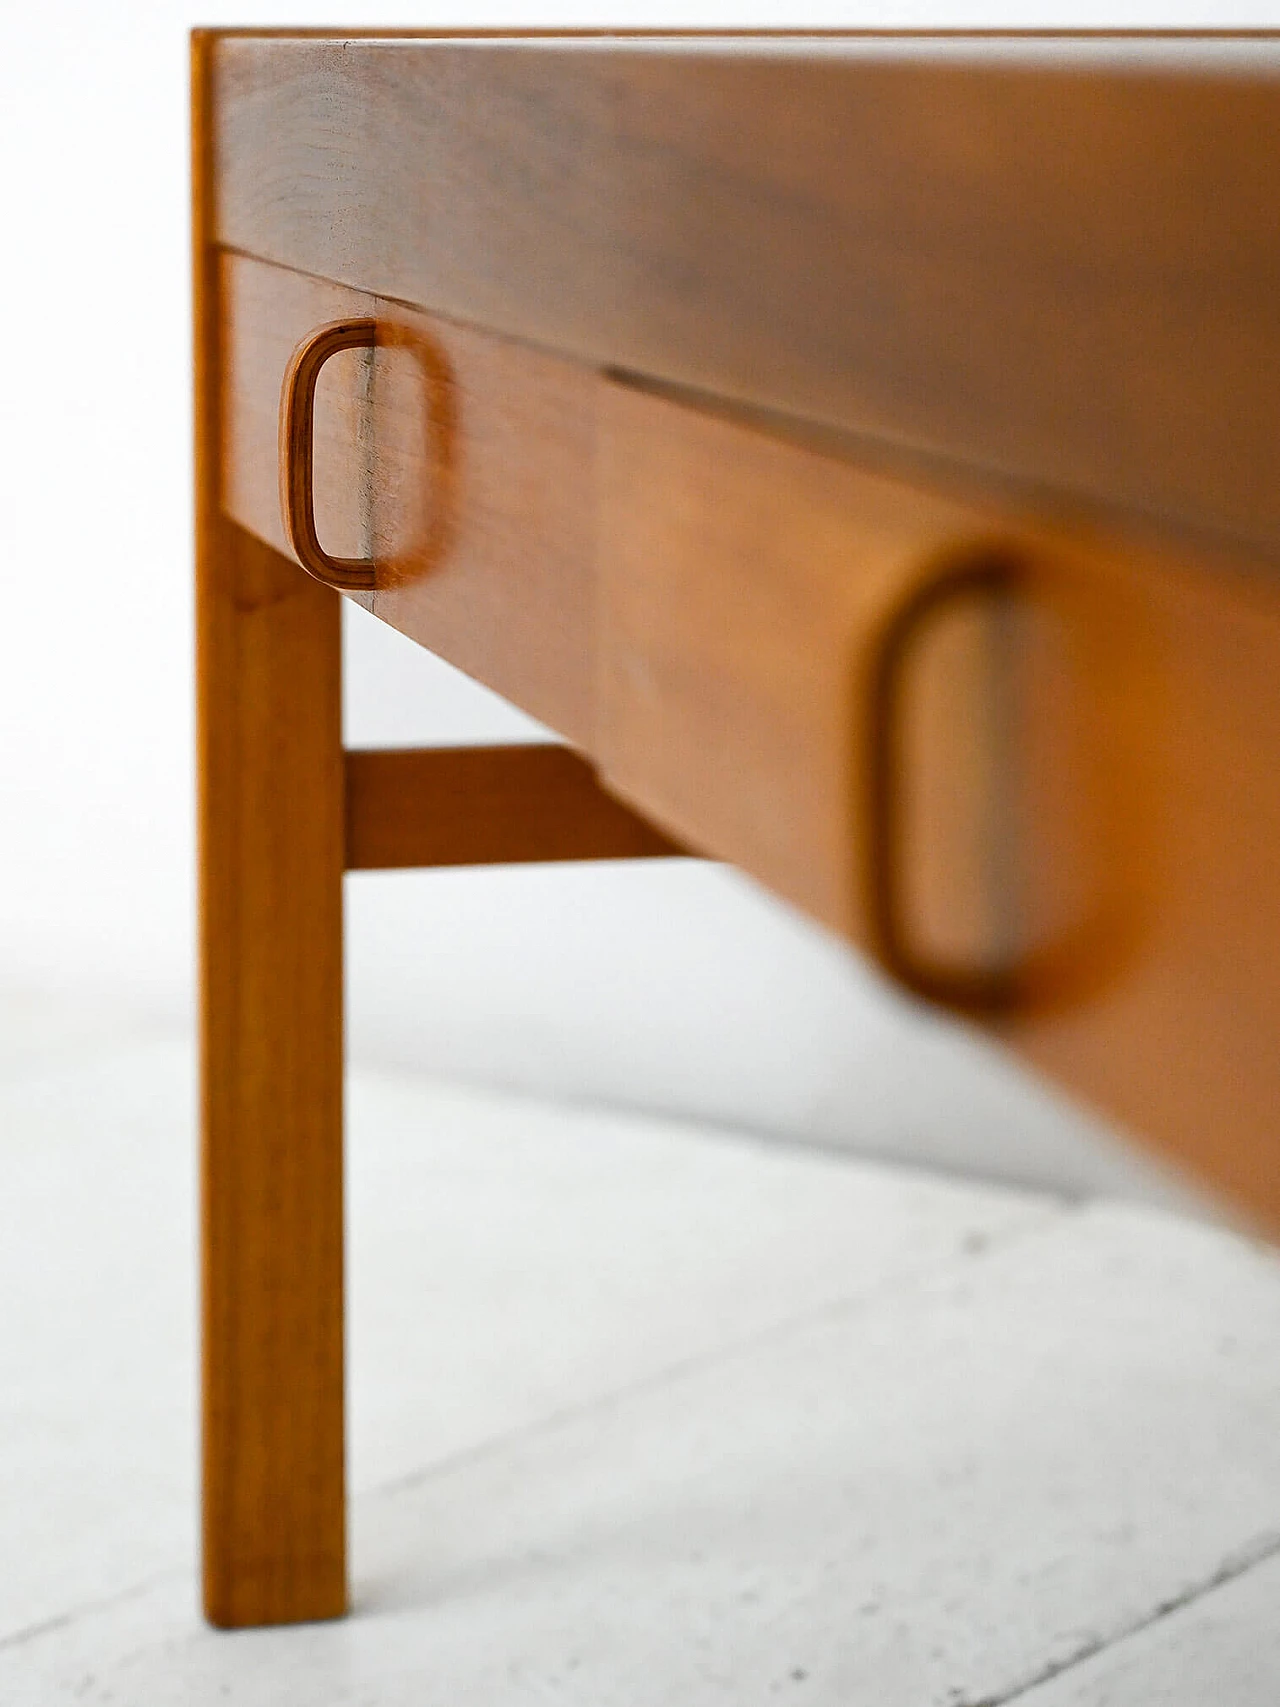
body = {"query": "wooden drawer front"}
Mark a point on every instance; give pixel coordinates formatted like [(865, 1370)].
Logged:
[(460, 461), (483, 519), (705, 609), (267, 311), (745, 585), (1180, 1040), (1100, 809)]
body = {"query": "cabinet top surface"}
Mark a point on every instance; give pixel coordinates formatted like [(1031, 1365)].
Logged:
[(1052, 259), (986, 42)]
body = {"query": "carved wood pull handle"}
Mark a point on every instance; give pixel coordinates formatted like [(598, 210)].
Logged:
[(297, 453), (979, 989), (1107, 645)]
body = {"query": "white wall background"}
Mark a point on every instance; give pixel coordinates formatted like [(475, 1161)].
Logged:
[(670, 986)]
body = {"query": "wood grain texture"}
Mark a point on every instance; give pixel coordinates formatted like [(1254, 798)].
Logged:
[(267, 312), (1046, 269), (462, 462), (746, 585), (1111, 739), (297, 452), (486, 806), (1179, 1044), (482, 510), (271, 856), (929, 241), (271, 934)]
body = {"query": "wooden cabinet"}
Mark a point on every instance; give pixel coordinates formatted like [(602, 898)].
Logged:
[(1025, 761), (861, 451)]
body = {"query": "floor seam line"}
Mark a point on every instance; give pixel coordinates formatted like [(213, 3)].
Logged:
[(1053, 1215), (60, 1621), (1262, 1549)]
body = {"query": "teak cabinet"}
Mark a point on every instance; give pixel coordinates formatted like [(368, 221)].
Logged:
[(862, 452)]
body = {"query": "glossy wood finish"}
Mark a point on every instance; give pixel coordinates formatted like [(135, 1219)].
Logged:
[(930, 241), (486, 806), (271, 818)]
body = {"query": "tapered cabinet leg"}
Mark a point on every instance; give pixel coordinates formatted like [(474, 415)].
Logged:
[(271, 831)]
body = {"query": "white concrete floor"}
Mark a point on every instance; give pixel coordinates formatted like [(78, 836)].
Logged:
[(646, 1415)]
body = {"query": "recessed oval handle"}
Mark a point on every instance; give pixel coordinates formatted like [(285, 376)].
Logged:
[(1083, 951), (297, 453), (980, 573)]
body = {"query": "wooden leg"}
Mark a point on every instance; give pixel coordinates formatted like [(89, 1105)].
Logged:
[(271, 828)]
